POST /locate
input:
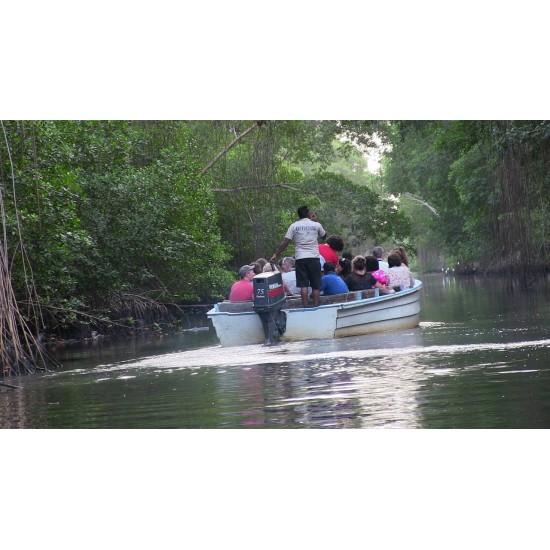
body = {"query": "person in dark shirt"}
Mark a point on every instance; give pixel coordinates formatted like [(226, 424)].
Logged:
[(343, 269), (361, 279)]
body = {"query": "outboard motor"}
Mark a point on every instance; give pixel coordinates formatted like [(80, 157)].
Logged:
[(269, 299)]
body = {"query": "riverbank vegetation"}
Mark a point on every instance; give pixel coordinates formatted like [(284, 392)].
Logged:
[(488, 187), (106, 224)]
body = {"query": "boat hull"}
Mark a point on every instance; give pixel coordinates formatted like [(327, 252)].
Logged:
[(367, 316)]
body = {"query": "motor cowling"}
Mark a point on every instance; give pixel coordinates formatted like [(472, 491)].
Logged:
[(269, 299)]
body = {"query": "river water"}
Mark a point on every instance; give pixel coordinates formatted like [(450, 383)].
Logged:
[(479, 359)]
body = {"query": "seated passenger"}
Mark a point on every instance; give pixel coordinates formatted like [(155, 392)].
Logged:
[(343, 268), (373, 266), (330, 249), (268, 267), (288, 265), (243, 290), (361, 279), (330, 283), (378, 253), (400, 275), (259, 265), (402, 253)]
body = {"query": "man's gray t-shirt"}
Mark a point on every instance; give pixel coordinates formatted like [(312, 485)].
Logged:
[(305, 233)]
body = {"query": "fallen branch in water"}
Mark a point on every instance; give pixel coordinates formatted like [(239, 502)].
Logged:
[(97, 318), (121, 307), (10, 385)]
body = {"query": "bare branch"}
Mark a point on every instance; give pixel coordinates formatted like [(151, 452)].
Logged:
[(422, 202), (257, 124), (249, 187)]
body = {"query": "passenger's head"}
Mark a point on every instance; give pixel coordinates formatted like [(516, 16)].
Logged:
[(378, 252), (336, 243), (247, 272), (359, 263), (371, 263), (329, 267), (303, 212), (403, 254), (288, 263), (394, 260), (347, 256), (259, 265), (344, 267)]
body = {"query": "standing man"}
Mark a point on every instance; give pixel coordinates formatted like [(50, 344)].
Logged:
[(305, 233)]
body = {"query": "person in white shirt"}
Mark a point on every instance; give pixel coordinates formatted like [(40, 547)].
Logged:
[(289, 275), (378, 253), (288, 263)]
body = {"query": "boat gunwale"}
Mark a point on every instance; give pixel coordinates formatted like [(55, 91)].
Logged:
[(344, 305)]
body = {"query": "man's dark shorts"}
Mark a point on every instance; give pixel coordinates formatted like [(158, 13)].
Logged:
[(308, 273)]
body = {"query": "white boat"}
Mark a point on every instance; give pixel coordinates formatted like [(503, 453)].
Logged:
[(351, 314)]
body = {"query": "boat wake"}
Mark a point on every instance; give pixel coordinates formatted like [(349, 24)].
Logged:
[(287, 353)]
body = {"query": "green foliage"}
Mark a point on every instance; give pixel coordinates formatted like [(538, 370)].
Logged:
[(108, 207), (162, 238), (105, 208), (282, 165), (418, 174), (258, 178), (488, 181), (358, 214)]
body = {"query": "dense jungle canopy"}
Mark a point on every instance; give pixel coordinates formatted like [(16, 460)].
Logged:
[(103, 220)]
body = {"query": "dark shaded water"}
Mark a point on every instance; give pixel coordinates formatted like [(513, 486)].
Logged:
[(480, 359)]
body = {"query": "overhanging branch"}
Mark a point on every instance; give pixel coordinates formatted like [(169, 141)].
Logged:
[(257, 124), (422, 202), (250, 187)]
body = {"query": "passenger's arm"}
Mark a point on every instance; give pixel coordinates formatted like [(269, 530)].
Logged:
[(384, 288)]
